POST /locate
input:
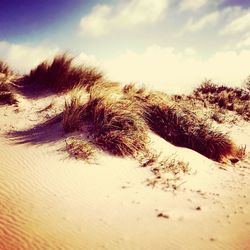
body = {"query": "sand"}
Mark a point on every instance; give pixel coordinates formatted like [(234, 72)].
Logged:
[(51, 201)]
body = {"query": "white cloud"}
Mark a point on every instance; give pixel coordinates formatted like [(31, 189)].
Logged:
[(212, 19), (124, 14), (86, 59), (196, 25), (194, 5), (24, 57), (239, 24), (178, 71), (245, 42)]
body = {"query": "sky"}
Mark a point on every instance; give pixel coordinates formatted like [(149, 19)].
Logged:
[(166, 44)]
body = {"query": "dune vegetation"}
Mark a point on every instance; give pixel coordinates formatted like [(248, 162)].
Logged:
[(117, 118), (60, 75), (5, 69), (7, 91), (233, 99)]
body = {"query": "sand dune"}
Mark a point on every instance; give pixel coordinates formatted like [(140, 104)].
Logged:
[(48, 201)]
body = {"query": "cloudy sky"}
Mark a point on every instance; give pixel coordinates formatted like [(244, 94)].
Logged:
[(167, 44)]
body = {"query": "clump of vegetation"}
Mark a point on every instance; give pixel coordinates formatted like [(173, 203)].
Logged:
[(60, 75), (105, 89), (5, 69), (167, 173), (247, 83), (115, 126), (142, 96), (73, 114), (7, 95), (218, 116), (80, 148), (233, 99), (183, 128), (133, 91)]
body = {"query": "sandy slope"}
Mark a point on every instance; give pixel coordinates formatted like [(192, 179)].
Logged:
[(50, 202)]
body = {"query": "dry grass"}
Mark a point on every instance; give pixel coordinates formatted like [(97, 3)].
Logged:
[(247, 83), (183, 128), (7, 92), (7, 95), (218, 116), (115, 126), (118, 119), (61, 75), (7, 98), (167, 173), (233, 99), (5, 69), (74, 110), (105, 89), (80, 149), (134, 91), (119, 124)]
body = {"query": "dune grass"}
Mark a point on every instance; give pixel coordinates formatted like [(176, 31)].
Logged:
[(7, 91), (183, 128), (247, 83), (61, 75), (5, 69), (73, 113), (233, 99), (80, 148), (120, 125), (115, 126), (7, 97), (167, 172), (105, 89)]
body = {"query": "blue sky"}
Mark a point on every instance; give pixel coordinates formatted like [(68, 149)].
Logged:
[(165, 43)]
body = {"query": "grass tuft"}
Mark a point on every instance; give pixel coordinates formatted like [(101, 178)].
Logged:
[(61, 75), (167, 173), (5, 69), (115, 126), (80, 149), (233, 99), (74, 110), (7, 92), (183, 128)]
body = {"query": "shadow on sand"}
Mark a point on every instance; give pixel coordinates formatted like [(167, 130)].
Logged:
[(49, 131), (32, 92)]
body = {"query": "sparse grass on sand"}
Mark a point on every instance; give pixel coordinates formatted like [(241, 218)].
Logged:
[(61, 75), (167, 173), (233, 99), (80, 148), (247, 83)]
